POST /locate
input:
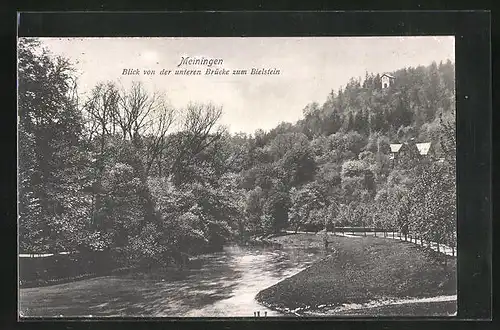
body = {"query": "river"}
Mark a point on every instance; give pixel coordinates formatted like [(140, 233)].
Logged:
[(221, 284)]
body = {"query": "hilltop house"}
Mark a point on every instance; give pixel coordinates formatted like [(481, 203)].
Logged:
[(387, 80)]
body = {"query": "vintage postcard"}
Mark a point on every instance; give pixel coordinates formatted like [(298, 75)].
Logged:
[(236, 177)]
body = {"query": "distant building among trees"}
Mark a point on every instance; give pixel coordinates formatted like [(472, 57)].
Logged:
[(424, 150), (387, 80)]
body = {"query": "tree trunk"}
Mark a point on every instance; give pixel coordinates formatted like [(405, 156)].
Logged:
[(159, 167), (92, 209)]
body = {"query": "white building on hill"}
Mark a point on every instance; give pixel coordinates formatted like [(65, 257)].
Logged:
[(387, 80)]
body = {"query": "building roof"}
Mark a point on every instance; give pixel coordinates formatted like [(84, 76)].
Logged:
[(387, 75), (423, 148), (395, 147)]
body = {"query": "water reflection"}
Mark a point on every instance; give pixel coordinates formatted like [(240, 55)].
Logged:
[(218, 284)]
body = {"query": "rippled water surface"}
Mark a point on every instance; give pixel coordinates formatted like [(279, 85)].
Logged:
[(221, 284)]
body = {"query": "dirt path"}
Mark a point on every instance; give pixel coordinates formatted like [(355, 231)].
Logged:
[(432, 245), (360, 309)]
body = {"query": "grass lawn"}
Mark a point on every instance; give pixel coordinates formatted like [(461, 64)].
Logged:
[(360, 270)]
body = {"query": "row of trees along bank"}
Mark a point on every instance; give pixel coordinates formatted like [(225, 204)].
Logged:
[(121, 170)]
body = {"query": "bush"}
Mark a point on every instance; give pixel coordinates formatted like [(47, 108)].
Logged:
[(64, 267)]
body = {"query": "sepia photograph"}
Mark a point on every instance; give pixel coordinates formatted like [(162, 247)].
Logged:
[(236, 177)]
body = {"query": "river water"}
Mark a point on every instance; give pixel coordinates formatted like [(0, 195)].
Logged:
[(217, 285)]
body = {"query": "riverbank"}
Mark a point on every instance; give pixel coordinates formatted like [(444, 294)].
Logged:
[(363, 270)]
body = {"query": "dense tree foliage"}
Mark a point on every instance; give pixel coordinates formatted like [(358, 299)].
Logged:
[(53, 206), (110, 172)]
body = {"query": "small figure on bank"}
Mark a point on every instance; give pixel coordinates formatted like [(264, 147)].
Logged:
[(325, 240)]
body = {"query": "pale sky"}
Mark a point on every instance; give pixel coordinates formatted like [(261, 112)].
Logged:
[(310, 68)]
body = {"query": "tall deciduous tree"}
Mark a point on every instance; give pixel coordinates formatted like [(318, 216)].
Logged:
[(52, 203)]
